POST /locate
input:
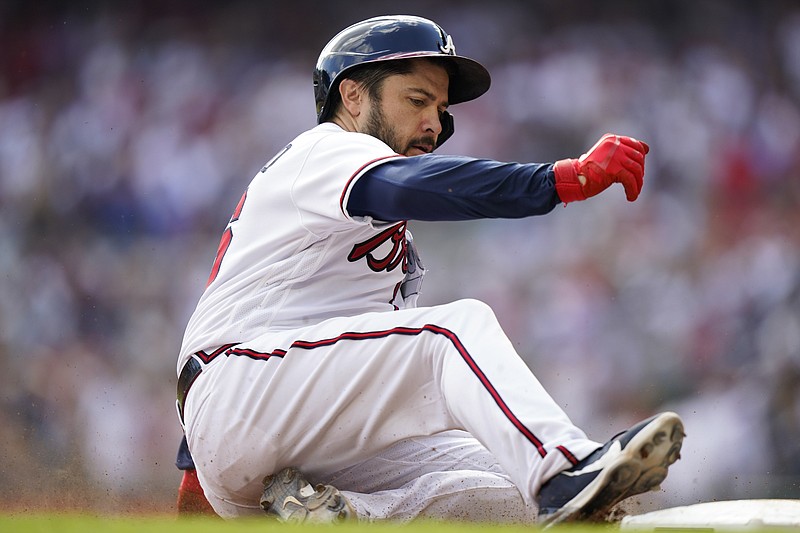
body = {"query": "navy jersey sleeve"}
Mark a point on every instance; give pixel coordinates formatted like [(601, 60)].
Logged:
[(438, 188)]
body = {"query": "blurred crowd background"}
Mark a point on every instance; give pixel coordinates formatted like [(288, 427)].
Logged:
[(129, 130)]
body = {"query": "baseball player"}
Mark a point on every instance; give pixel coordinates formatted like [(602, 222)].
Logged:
[(311, 386)]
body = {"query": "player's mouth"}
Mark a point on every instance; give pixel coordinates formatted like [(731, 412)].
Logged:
[(419, 149)]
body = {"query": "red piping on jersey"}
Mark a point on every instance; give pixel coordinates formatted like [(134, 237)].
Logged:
[(356, 173), (208, 357), (431, 328), (252, 354)]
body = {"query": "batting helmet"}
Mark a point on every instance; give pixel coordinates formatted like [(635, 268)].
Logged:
[(391, 38)]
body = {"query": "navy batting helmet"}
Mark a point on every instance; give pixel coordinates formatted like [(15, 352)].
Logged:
[(391, 38)]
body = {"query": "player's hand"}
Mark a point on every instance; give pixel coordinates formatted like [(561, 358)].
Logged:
[(614, 159)]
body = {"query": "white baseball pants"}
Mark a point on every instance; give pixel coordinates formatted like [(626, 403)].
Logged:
[(418, 412)]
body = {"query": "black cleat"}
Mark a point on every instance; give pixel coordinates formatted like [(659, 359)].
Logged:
[(631, 463)]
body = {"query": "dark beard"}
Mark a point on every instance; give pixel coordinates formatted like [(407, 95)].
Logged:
[(377, 127)]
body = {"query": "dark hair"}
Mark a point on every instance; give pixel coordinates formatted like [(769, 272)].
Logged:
[(371, 77)]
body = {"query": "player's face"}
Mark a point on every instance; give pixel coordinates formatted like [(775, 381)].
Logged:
[(406, 117)]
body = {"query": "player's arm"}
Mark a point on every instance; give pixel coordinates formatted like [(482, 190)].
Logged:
[(433, 187)]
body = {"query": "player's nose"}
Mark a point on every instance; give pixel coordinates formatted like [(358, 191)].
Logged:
[(431, 122)]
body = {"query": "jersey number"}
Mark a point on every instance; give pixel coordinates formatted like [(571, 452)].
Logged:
[(227, 237), (225, 241)]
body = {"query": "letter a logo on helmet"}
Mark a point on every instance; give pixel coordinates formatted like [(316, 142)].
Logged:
[(449, 48), (392, 38)]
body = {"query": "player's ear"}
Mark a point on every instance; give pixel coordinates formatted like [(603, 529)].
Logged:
[(352, 96)]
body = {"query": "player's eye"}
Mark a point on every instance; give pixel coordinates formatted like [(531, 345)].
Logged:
[(417, 102)]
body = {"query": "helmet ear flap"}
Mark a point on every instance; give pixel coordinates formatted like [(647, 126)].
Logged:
[(448, 127)]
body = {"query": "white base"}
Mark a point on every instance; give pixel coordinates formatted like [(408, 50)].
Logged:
[(724, 515)]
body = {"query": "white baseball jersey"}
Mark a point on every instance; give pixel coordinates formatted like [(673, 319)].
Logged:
[(292, 256)]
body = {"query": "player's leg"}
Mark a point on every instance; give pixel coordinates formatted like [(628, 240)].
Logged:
[(447, 476), (574, 478), (457, 495), (410, 458), (327, 397), (422, 478)]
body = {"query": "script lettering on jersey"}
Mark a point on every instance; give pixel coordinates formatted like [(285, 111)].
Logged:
[(384, 251)]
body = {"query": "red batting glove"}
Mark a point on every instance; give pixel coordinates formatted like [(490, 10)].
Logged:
[(614, 159)]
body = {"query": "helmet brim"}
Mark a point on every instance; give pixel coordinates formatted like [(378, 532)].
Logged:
[(469, 81)]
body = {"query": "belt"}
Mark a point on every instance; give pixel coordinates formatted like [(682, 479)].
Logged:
[(189, 373), (192, 369)]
